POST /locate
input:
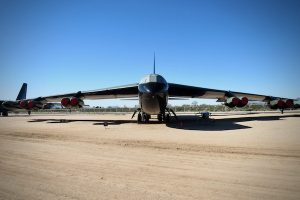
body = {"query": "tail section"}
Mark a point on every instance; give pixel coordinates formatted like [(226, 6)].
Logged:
[(23, 92)]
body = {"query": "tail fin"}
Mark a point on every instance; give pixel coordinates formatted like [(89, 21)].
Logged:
[(22, 93)]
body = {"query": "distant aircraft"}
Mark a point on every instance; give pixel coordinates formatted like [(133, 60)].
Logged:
[(153, 93), (21, 104), (6, 106)]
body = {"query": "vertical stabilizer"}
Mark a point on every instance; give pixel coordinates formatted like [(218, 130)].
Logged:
[(22, 93), (154, 64)]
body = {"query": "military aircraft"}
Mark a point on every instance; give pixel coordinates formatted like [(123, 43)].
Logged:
[(153, 93), (6, 106), (21, 104)]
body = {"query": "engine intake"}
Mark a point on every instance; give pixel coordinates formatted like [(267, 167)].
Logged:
[(34, 104), (232, 102), (243, 102), (73, 102), (289, 103), (278, 104), (66, 102), (23, 104)]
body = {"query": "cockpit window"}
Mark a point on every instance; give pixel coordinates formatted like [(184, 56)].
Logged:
[(153, 78)]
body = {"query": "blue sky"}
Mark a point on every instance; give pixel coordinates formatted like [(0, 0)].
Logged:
[(67, 46)]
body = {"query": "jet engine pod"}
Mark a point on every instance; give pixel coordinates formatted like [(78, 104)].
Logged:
[(277, 104), (23, 104), (289, 103), (232, 102), (281, 104), (34, 104), (243, 102), (76, 102), (65, 102)]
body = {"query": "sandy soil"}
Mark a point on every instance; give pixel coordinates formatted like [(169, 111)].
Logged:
[(74, 156)]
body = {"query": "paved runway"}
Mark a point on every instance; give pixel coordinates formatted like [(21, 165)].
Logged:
[(74, 156)]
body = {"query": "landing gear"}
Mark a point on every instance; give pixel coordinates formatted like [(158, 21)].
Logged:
[(160, 118), (281, 111), (29, 112), (139, 119), (143, 118), (146, 117), (167, 118), (163, 117), (5, 114)]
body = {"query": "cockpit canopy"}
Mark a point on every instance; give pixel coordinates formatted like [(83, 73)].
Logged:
[(153, 78), (153, 83)]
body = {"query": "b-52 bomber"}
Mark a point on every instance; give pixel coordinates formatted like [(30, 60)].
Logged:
[(6, 106), (153, 93)]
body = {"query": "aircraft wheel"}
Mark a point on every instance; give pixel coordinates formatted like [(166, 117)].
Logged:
[(139, 118), (29, 112), (167, 118), (159, 117), (146, 118), (5, 114)]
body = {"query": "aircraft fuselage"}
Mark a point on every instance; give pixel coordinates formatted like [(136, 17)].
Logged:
[(153, 94)]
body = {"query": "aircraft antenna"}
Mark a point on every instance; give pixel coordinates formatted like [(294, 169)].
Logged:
[(154, 64)]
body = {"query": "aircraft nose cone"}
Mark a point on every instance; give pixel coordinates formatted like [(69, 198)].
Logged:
[(152, 88)]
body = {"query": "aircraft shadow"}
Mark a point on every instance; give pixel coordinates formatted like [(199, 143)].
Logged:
[(184, 122), (194, 122), (96, 122)]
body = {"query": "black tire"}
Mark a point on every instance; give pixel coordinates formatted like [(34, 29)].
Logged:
[(146, 118), (139, 118), (167, 118), (160, 118), (5, 114)]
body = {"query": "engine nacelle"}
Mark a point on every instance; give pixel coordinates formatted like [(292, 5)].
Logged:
[(73, 102), (281, 104), (289, 103), (243, 102), (23, 104), (34, 104), (76, 102), (277, 104), (232, 102), (66, 102)]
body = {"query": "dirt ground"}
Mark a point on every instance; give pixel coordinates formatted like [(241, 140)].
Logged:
[(74, 156)]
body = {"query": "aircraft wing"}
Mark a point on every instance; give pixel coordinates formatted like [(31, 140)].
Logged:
[(185, 91), (126, 91)]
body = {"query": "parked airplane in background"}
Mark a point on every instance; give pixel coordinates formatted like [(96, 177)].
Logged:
[(153, 93), (6, 106), (21, 104)]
